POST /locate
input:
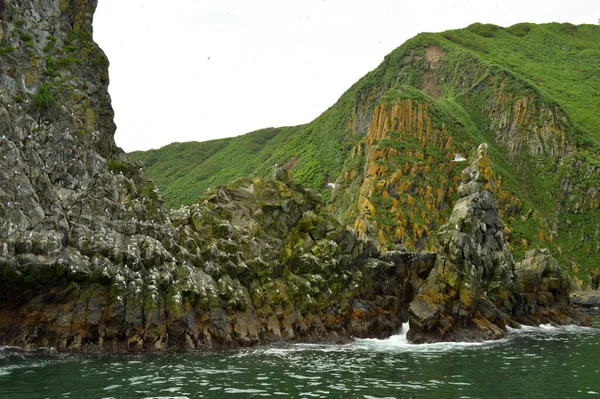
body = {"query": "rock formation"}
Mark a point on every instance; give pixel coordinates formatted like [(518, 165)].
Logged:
[(475, 290), (543, 292), (252, 262), (90, 260)]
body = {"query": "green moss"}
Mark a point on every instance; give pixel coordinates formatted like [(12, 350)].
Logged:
[(116, 166)]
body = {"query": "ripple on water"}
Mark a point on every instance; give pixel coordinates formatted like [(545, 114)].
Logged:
[(244, 391), (369, 368)]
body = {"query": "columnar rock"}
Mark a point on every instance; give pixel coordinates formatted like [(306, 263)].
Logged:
[(89, 259), (469, 291), (475, 289)]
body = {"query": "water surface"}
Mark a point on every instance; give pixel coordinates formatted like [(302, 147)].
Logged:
[(543, 362)]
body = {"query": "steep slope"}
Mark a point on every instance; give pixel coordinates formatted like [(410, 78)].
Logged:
[(547, 163), (91, 261), (530, 91)]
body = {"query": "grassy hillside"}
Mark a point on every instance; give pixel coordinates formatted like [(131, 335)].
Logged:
[(531, 91)]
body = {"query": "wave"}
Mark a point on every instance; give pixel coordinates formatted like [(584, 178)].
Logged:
[(399, 342)]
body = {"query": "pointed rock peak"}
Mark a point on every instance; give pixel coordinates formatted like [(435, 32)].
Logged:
[(479, 175)]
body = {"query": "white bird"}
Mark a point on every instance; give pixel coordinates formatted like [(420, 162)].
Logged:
[(458, 158)]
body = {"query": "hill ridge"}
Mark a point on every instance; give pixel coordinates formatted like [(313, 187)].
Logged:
[(528, 90)]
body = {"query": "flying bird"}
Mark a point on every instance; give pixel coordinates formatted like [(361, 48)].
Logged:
[(458, 158)]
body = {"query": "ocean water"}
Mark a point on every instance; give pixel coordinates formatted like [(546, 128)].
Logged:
[(540, 362)]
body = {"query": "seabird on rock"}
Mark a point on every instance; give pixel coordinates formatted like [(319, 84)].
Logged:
[(458, 158)]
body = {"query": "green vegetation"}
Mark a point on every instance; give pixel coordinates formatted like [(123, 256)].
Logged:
[(25, 36), (485, 30), (521, 29), (78, 48), (43, 99), (532, 92), (7, 49), (116, 166)]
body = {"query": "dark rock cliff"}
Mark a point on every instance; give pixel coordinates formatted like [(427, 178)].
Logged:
[(474, 289), (90, 260)]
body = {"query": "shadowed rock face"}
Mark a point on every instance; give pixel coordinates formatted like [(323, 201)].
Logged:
[(473, 291)]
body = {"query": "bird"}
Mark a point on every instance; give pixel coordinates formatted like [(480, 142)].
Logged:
[(458, 158)]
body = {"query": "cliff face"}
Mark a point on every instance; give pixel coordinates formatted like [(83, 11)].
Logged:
[(400, 180), (529, 91), (91, 261), (71, 211), (57, 131)]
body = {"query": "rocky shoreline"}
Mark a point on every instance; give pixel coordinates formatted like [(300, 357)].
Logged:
[(260, 261), (90, 260), (588, 301)]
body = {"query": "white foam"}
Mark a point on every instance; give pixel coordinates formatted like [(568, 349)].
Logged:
[(551, 329), (399, 342)]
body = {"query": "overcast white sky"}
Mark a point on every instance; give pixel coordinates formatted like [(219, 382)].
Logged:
[(184, 70)]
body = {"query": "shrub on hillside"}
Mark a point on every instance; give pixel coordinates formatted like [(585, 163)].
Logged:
[(521, 29), (485, 30)]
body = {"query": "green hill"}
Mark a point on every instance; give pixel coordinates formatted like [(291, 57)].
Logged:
[(532, 92)]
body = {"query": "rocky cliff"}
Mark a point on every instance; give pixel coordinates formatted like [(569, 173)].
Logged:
[(383, 153), (251, 262), (474, 289), (91, 261)]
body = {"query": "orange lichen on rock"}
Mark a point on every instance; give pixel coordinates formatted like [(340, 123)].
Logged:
[(403, 150)]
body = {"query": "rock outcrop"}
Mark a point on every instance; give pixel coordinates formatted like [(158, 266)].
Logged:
[(475, 290), (252, 262), (543, 292), (469, 289), (91, 261)]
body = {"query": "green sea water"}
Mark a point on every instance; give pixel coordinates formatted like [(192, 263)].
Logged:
[(542, 362)]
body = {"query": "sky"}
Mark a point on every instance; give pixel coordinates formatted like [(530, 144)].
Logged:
[(197, 70)]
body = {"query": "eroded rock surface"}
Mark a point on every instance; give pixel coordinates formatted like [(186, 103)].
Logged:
[(252, 262), (543, 292), (475, 290), (90, 260)]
